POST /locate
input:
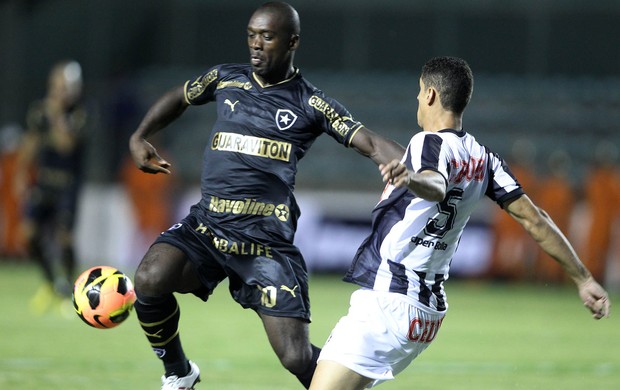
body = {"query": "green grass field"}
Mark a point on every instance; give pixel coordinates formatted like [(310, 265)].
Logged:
[(495, 336)]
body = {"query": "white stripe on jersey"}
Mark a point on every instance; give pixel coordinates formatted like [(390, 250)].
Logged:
[(416, 239)]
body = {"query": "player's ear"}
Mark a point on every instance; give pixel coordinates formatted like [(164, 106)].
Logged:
[(431, 95), (294, 42)]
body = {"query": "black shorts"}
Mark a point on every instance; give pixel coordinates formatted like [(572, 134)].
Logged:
[(52, 206), (268, 277)]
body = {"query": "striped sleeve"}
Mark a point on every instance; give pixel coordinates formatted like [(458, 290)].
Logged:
[(426, 152), (503, 185)]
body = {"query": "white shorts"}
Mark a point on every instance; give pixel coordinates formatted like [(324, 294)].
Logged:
[(381, 335)]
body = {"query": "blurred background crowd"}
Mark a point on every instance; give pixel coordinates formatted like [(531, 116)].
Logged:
[(546, 98)]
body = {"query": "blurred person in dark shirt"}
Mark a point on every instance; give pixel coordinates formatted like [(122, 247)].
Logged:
[(48, 176)]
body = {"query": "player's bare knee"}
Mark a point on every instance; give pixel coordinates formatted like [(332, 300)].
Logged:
[(294, 364), (160, 271), (149, 279), (295, 360), (144, 282)]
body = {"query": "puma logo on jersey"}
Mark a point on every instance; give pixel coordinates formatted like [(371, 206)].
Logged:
[(231, 104), (292, 291)]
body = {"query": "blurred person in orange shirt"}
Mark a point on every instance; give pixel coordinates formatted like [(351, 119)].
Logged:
[(602, 192), (557, 198)]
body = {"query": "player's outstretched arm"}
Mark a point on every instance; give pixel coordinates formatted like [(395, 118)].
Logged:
[(542, 228), (165, 110), (25, 157), (379, 149)]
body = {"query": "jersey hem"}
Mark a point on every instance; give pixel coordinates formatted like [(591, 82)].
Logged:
[(408, 300)]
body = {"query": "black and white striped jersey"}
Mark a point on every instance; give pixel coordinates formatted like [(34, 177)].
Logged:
[(412, 242)]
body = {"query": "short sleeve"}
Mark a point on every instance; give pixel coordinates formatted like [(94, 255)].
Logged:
[(201, 90), (503, 185), (333, 118), (426, 151)]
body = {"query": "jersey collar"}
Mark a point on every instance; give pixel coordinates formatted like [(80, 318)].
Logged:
[(459, 133), (260, 84)]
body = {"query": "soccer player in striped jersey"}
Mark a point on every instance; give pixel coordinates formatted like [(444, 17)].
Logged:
[(401, 267), (268, 116)]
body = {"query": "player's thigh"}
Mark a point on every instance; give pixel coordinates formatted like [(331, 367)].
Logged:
[(330, 375), (165, 269)]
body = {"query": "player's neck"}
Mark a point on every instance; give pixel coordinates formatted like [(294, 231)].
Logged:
[(275, 80), (444, 120)]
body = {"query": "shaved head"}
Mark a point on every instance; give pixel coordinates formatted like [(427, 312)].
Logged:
[(284, 13), (273, 37)]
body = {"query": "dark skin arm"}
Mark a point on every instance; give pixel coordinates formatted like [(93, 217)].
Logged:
[(172, 105), (379, 149), (165, 110)]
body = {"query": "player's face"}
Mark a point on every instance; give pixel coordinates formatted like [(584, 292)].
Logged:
[(271, 47), (420, 114), (65, 84)]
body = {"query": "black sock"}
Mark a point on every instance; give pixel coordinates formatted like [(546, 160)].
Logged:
[(68, 263), (37, 254), (306, 377), (159, 318)]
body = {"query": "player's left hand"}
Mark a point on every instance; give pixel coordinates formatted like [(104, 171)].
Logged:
[(395, 173), (595, 298)]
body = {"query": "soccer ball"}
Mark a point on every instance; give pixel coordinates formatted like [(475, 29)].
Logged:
[(103, 297)]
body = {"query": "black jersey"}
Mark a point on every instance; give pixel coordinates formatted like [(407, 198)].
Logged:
[(260, 134), (59, 167)]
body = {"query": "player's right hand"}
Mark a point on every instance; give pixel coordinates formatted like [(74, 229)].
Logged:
[(146, 158), (595, 298)]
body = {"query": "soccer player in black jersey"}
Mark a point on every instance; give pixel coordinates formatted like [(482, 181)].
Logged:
[(53, 146), (243, 227)]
